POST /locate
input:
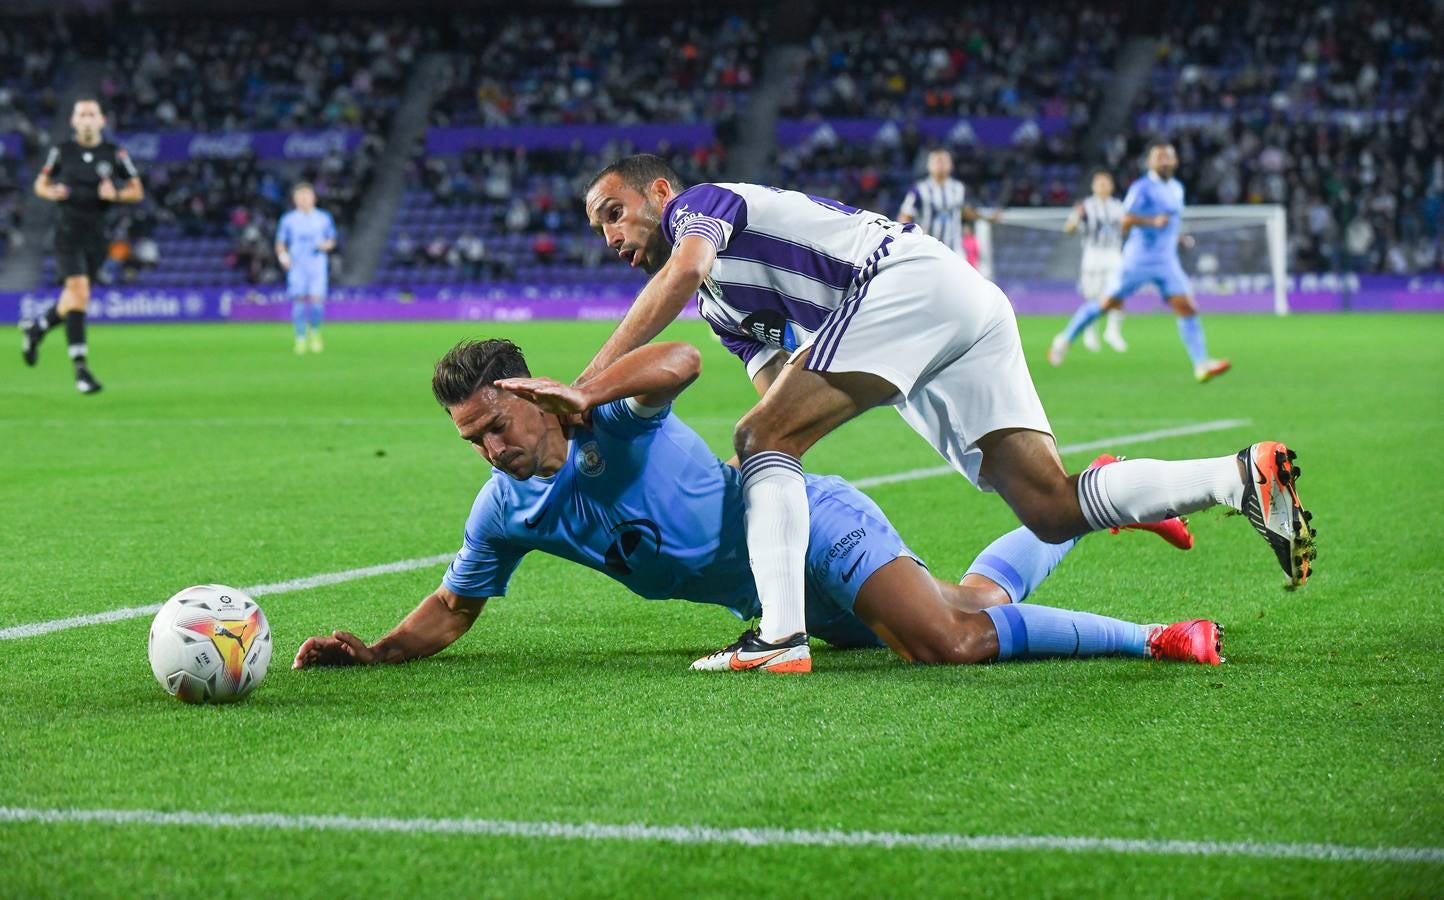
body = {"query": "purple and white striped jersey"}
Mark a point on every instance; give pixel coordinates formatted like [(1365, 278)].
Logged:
[(785, 261)]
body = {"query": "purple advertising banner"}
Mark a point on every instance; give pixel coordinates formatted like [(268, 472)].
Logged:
[(1355, 119), (592, 138), (179, 146), (988, 131), (500, 302)]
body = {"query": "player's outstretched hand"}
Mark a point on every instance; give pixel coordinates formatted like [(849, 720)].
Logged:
[(107, 190), (552, 396), (340, 648)]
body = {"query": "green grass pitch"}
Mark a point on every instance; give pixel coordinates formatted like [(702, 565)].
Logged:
[(217, 455)]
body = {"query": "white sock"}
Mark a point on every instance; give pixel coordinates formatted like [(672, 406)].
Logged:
[(777, 535), (1115, 322), (1147, 490)]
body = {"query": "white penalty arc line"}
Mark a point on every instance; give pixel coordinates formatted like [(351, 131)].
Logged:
[(259, 590), (744, 837), (405, 565)]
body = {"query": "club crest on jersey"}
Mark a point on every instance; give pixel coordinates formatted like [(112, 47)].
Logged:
[(590, 461), (770, 327)]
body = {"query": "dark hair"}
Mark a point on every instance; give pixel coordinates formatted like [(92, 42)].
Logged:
[(638, 171), (303, 184), (472, 365), (1097, 172)]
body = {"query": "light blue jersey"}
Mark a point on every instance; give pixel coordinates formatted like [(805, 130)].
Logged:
[(1150, 255), (643, 500), (302, 235)]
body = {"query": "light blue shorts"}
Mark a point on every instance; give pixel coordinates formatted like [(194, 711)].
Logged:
[(1168, 277), (850, 540), (306, 281)]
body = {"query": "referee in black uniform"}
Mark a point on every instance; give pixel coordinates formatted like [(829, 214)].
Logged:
[(81, 175)]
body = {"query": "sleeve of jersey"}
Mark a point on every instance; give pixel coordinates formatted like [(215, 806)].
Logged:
[(283, 231), (330, 228), (620, 419), (485, 562), (1135, 197), (910, 204), (126, 164), (709, 212)]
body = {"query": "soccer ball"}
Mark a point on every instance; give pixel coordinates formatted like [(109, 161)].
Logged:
[(210, 644)]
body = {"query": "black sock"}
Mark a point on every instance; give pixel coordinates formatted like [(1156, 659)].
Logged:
[(75, 336), (51, 318)]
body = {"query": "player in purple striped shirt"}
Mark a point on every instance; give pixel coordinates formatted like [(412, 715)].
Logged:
[(835, 310)]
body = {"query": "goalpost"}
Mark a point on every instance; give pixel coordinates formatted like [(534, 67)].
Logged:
[(1241, 244)]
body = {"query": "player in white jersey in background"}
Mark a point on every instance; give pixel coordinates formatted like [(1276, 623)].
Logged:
[(938, 205), (835, 310), (1100, 219)]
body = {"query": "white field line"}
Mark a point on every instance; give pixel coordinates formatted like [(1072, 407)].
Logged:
[(745, 837), (259, 590), (298, 584), (1101, 444)]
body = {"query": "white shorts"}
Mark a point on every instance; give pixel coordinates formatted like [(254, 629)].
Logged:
[(946, 338), (1097, 274)]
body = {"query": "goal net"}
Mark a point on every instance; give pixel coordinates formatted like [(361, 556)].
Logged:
[(1239, 252)]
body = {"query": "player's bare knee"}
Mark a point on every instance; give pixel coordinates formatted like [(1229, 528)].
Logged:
[(1052, 523), (757, 432)]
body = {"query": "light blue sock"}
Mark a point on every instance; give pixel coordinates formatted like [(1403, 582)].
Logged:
[(1019, 561), (1190, 329), (1030, 631), (298, 317), (318, 309), (1082, 318)]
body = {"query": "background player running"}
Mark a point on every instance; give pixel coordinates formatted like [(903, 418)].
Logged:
[(1099, 218), (835, 310), (304, 238), (606, 476), (938, 204), (1153, 215), (80, 175)]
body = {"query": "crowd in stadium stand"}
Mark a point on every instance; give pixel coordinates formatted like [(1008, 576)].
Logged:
[(1331, 110), (220, 74), (893, 60), (616, 67), (510, 214)]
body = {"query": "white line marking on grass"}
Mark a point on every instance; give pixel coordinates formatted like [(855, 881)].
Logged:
[(406, 565), (1101, 444), (260, 590), (746, 837)]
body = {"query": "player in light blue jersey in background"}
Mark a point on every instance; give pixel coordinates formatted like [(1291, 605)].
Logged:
[(606, 476), (1153, 212), (303, 239)]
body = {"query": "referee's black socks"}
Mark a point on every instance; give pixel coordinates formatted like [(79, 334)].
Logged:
[(51, 318), (75, 336)]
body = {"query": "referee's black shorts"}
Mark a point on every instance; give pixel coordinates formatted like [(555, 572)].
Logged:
[(80, 252)]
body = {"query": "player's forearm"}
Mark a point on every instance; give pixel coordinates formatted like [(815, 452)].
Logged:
[(133, 192), (44, 189), (433, 626), (1130, 221), (659, 303), (655, 374)]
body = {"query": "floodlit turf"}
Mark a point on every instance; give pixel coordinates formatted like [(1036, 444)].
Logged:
[(217, 455)]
